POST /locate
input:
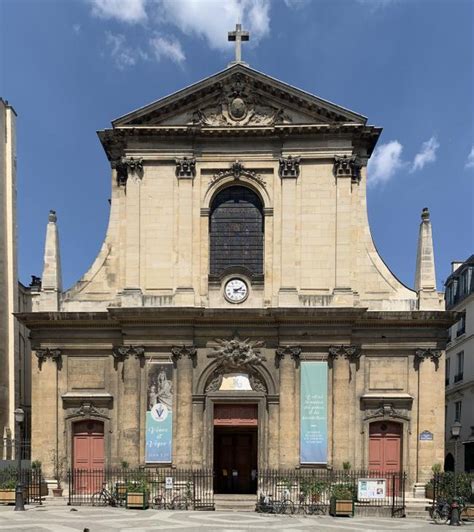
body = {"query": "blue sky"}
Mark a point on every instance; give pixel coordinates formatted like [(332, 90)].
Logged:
[(69, 67)]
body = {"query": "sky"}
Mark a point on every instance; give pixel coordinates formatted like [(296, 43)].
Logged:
[(69, 67)]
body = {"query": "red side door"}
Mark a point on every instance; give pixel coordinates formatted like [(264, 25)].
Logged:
[(88, 456), (385, 449)]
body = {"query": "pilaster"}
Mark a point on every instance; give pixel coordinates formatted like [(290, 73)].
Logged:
[(183, 358), (287, 359)]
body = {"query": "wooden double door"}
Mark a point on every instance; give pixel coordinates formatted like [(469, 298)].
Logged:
[(88, 456), (235, 459), (385, 447)]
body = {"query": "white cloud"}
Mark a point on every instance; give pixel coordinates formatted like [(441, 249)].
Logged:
[(383, 164), (426, 155), (169, 48), (131, 11), (123, 55), (212, 19), (470, 159)]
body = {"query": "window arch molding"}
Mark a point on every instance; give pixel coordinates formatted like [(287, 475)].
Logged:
[(243, 181)]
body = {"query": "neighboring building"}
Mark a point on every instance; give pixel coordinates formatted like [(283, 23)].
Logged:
[(14, 297), (238, 316), (460, 366)]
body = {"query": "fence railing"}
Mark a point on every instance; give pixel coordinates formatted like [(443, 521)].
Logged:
[(32, 481), (312, 489), (164, 488)]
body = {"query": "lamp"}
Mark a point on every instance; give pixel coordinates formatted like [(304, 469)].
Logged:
[(455, 510), (19, 503), (456, 429)]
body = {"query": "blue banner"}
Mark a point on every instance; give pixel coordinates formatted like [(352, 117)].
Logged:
[(159, 415), (313, 412)]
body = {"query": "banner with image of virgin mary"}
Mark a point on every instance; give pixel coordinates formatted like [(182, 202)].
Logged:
[(159, 415)]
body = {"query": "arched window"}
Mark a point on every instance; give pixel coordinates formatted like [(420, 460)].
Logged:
[(236, 232)]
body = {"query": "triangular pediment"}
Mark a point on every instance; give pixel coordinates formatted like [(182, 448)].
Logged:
[(239, 97)]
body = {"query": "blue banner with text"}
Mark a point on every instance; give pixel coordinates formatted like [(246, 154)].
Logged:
[(313, 412)]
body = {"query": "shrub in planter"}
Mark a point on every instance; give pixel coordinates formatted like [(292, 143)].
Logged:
[(313, 489), (137, 494), (342, 499), (8, 483)]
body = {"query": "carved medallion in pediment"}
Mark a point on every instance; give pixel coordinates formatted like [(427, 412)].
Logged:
[(237, 353)]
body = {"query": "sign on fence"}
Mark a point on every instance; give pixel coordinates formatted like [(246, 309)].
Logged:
[(313, 412), (371, 488), (169, 483)]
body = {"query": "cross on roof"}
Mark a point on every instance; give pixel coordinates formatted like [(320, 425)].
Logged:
[(238, 36)]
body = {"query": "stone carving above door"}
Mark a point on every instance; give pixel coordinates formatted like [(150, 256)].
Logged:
[(237, 353)]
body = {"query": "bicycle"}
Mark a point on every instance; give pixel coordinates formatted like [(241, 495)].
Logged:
[(159, 502), (441, 512), (313, 508), (179, 503), (265, 504), (286, 505), (104, 497)]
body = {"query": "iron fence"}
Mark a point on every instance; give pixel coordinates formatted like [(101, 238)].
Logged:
[(31, 479), (164, 488), (311, 490)]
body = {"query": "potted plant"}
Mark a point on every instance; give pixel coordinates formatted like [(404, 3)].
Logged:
[(121, 485), (342, 500), (429, 487), (313, 489), (137, 492), (59, 472)]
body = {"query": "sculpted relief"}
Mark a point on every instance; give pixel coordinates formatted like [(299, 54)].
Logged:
[(238, 106)]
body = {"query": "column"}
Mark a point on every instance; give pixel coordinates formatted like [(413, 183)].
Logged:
[(289, 172), (184, 357), (287, 358), (185, 175), (132, 291), (430, 364), (129, 414), (273, 432), (346, 171), (44, 407), (342, 402), (198, 428)]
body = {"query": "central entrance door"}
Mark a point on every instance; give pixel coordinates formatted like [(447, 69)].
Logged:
[(235, 448)]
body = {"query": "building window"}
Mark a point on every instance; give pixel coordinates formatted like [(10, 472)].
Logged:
[(461, 326), (457, 411), (459, 367), (447, 370), (236, 232)]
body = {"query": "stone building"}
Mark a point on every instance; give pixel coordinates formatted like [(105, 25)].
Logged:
[(238, 315), (460, 367), (15, 383)]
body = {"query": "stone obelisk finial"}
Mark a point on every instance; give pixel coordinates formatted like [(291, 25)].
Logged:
[(51, 281), (425, 276)]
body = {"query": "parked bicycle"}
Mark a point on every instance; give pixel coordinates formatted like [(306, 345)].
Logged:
[(441, 512), (286, 505), (104, 497), (311, 508)]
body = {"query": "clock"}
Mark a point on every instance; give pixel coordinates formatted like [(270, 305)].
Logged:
[(236, 290)]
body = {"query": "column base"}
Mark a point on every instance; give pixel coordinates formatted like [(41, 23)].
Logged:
[(419, 490)]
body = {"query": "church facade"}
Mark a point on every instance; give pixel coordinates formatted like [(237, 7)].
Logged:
[(238, 316)]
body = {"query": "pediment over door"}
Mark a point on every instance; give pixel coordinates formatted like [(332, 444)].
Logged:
[(239, 97)]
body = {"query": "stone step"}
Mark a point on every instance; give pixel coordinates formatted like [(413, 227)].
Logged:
[(235, 502)]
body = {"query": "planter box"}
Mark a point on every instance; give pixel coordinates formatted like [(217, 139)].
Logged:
[(468, 512), (7, 496), (137, 500), (339, 507)]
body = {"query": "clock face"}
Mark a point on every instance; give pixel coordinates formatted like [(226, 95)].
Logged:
[(236, 291)]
